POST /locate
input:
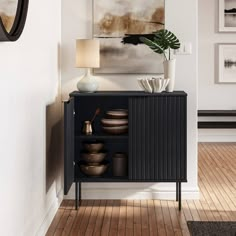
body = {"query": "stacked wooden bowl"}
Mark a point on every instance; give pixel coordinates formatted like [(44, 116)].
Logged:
[(94, 164), (116, 122)]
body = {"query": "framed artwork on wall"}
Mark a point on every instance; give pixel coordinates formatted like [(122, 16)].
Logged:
[(227, 63), (118, 24), (227, 15)]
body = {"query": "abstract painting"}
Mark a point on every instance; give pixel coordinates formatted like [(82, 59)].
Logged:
[(118, 24), (227, 15), (8, 12), (227, 63)]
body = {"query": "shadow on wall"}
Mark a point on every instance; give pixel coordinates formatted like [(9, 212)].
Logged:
[(54, 141), (54, 162)]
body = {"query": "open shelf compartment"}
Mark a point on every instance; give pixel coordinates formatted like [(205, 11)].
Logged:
[(85, 108)]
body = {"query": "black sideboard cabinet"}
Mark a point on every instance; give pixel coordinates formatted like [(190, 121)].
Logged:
[(156, 142)]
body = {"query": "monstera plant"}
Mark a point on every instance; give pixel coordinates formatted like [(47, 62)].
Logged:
[(162, 42)]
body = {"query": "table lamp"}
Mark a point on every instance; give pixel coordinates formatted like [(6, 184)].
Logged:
[(87, 56)]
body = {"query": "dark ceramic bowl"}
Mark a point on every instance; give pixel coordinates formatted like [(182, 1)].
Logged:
[(94, 170), (116, 130), (94, 147), (93, 158)]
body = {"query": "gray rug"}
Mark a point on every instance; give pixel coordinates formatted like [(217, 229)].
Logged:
[(213, 228)]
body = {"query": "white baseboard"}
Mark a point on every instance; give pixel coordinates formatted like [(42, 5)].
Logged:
[(50, 214), (135, 193), (216, 135)]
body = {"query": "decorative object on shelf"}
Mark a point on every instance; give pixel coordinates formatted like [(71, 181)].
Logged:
[(162, 43), (116, 129), (97, 112), (93, 147), (118, 113), (87, 127), (117, 121), (153, 85), (94, 171), (169, 73), (118, 25), (227, 63), (227, 12), (87, 56), (120, 165), (12, 19), (114, 122), (93, 159)]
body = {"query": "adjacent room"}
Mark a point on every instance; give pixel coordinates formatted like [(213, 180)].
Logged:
[(118, 117)]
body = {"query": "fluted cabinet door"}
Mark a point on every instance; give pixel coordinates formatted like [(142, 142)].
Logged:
[(157, 138)]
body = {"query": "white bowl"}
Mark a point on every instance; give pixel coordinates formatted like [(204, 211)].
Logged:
[(153, 85)]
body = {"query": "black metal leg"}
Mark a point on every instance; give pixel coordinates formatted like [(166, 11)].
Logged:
[(79, 193), (179, 196), (177, 191), (76, 195)]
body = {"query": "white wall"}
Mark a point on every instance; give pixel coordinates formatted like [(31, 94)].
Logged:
[(213, 95), (181, 18), (30, 169)]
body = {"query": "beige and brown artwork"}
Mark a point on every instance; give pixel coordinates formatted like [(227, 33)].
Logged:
[(8, 10), (118, 24)]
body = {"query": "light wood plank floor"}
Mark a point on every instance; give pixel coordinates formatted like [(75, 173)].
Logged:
[(217, 182)]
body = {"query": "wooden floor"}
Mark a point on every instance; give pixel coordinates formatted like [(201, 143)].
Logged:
[(217, 182)]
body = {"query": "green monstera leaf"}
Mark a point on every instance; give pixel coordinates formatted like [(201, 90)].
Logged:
[(156, 47), (163, 40), (166, 39)]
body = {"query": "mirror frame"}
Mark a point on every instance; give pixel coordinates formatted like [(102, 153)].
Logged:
[(18, 25)]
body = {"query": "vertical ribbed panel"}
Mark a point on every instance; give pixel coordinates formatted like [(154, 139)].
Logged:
[(157, 138)]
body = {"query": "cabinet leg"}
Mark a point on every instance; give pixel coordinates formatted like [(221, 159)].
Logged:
[(177, 191), (76, 195), (79, 193), (179, 196)]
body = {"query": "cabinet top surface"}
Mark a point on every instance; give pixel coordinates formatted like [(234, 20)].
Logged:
[(126, 93)]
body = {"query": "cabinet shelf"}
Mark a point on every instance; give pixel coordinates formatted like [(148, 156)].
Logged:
[(101, 136), (103, 179)]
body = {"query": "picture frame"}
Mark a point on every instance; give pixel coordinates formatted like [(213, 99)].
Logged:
[(13, 15), (227, 63), (227, 15), (118, 24)]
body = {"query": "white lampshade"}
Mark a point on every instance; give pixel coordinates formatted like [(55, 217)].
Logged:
[(87, 53)]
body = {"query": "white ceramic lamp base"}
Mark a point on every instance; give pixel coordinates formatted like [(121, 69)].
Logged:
[(87, 83)]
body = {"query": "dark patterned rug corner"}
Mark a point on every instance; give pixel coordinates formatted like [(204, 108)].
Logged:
[(213, 228)]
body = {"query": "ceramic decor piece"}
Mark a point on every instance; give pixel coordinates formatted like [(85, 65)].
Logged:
[(118, 113), (169, 72), (94, 170), (116, 130), (114, 122), (153, 85)]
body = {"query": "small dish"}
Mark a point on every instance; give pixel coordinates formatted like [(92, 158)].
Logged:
[(116, 130), (114, 122), (93, 147), (94, 171), (93, 157), (118, 113)]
